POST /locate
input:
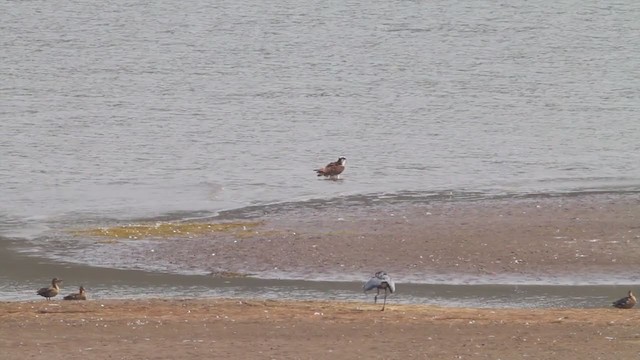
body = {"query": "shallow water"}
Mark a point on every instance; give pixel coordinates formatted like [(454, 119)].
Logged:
[(121, 111), (24, 274), (124, 110)]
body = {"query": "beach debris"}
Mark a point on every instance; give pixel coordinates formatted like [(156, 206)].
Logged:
[(80, 295), (51, 291), (380, 281), (626, 302)]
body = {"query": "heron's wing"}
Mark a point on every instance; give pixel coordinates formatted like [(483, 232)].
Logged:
[(386, 278), (373, 283), (392, 285)]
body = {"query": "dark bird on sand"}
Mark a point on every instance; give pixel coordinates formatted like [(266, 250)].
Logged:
[(380, 281), (51, 291), (626, 302), (333, 169), (81, 295)]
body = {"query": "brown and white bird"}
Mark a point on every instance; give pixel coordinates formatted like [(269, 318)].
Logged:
[(81, 295), (51, 291), (333, 169), (626, 302)]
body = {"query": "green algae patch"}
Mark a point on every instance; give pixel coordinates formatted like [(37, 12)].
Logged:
[(169, 230)]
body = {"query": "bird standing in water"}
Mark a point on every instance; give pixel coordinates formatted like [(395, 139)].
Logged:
[(51, 291), (333, 169), (626, 302), (380, 281)]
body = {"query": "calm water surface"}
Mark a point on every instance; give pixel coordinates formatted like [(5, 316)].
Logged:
[(123, 110)]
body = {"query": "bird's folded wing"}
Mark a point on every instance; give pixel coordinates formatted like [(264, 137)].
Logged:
[(373, 283)]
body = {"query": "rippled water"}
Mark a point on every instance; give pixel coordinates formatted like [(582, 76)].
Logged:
[(137, 108), (122, 110)]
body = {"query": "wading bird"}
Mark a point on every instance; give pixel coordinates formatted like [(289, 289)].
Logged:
[(51, 291), (333, 169), (626, 302), (81, 295), (380, 280)]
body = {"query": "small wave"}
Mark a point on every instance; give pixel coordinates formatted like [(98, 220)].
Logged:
[(415, 197)]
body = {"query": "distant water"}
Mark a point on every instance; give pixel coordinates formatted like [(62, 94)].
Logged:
[(135, 109)]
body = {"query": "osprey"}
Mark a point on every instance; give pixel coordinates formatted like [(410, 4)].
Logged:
[(333, 168)]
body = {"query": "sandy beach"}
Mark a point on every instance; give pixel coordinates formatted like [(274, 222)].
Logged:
[(591, 235), (232, 329)]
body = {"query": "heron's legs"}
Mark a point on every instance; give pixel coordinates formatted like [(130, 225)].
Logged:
[(385, 299), (375, 298)]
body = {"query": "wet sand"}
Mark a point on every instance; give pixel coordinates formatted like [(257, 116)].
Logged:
[(232, 329), (580, 237)]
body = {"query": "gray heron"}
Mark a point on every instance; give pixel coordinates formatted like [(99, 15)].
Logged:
[(380, 281), (51, 291)]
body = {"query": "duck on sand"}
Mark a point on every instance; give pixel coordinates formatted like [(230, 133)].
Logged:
[(51, 291), (626, 302), (80, 295)]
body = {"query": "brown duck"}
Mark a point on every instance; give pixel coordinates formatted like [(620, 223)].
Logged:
[(51, 291), (333, 169), (81, 295), (626, 302)]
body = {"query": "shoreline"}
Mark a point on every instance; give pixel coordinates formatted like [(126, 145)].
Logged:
[(482, 239), (589, 241), (186, 328)]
